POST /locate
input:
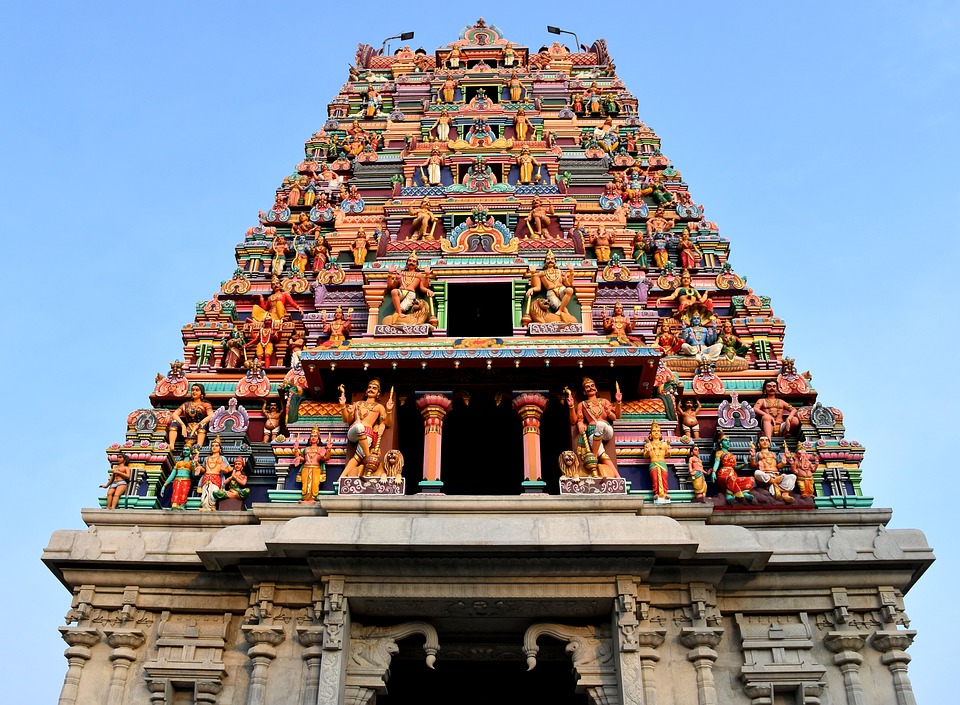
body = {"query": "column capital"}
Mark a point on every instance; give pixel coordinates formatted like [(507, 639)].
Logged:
[(79, 637), (434, 404), (844, 641)]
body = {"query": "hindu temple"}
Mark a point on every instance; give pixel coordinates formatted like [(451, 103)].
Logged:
[(485, 412)]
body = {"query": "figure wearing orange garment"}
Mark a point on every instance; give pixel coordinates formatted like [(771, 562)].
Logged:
[(522, 125), (312, 469), (448, 89), (275, 305), (515, 87)]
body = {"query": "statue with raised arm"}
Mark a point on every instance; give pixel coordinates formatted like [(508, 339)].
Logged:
[(593, 418), (312, 462), (367, 418)]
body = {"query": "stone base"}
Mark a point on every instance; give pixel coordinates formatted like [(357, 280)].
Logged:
[(593, 485), (381, 485), (419, 331), (555, 329)]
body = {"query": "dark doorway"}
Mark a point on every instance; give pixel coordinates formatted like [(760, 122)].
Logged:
[(481, 683), (480, 310), (482, 447)]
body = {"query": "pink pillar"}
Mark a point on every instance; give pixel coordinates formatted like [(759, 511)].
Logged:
[(433, 407), (530, 406)]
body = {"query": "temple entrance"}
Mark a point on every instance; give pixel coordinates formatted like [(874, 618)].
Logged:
[(480, 683), (480, 310)]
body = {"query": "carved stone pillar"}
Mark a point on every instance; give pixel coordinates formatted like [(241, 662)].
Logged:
[(124, 643), (336, 622), (434, 407), (893, 644), (846, 645), (530, 406), (648, 641), (312, 638), (79, 642), (700, 641), (264, 639), (629, 669)]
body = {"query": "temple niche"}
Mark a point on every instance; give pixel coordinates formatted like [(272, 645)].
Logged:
[(485, 409)]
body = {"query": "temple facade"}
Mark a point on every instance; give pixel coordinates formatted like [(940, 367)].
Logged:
[(486, 413)]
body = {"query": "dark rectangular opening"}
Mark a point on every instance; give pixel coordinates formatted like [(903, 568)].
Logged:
[(480, 310)]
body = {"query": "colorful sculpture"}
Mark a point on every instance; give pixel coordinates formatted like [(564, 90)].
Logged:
[(656, 450), (777, 417), (181, 478), (368, 419), (313, 471), (234, 485), (191, 418), (593, 418), (116, 484), (768, 465), (211, 476)]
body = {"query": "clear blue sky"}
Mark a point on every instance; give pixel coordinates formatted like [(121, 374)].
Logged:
[(138, 143)]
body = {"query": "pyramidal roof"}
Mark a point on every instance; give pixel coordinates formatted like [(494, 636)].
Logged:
[(495, 234)]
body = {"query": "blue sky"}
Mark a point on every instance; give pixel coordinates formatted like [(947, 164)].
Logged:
[(138, 143)]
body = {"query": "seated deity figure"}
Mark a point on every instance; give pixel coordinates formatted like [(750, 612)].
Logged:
[(700, 341), (556, 284), (618, 326), (368, 419), (725, 473), (777, 417), (593, 418), (403, 286), (686, 295), (768, 465), (191, 417)]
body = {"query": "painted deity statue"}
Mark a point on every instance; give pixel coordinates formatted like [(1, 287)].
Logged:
[(403, 286), (117, 483), (368, 419), (777, 417), (689, 423), (279, 249), (448, 89), (601, 241), (618, 326), (802, 467), (538, 220), (273, 416), (312, 461), (181, 478), (698, 478), (424, 221), (556, 285), (234, 484), (191, 418), (725, 473), (690, 254), (337, 330), (442, 126), (685, 295), (274, 306), (700, 341), (526, 162), (767, 465), (593, 418), (431, 168), (656, 450), (211, 480), (359, 247), (733, 347), (522, 127), (515, 87)]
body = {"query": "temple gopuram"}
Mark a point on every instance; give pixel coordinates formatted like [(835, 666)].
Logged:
[(485, 412)]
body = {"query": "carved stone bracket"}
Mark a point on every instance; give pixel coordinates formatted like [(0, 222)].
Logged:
[(591, 650), (372, 649)]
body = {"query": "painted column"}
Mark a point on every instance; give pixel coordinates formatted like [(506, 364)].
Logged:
[(264, 639), (124, 643), (79, 642), (893, 645), (700, 641), (434, 407), (312, 638), (530, 406), (846, 645)]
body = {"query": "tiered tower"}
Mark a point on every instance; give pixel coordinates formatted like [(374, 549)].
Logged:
[(485, 279)]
